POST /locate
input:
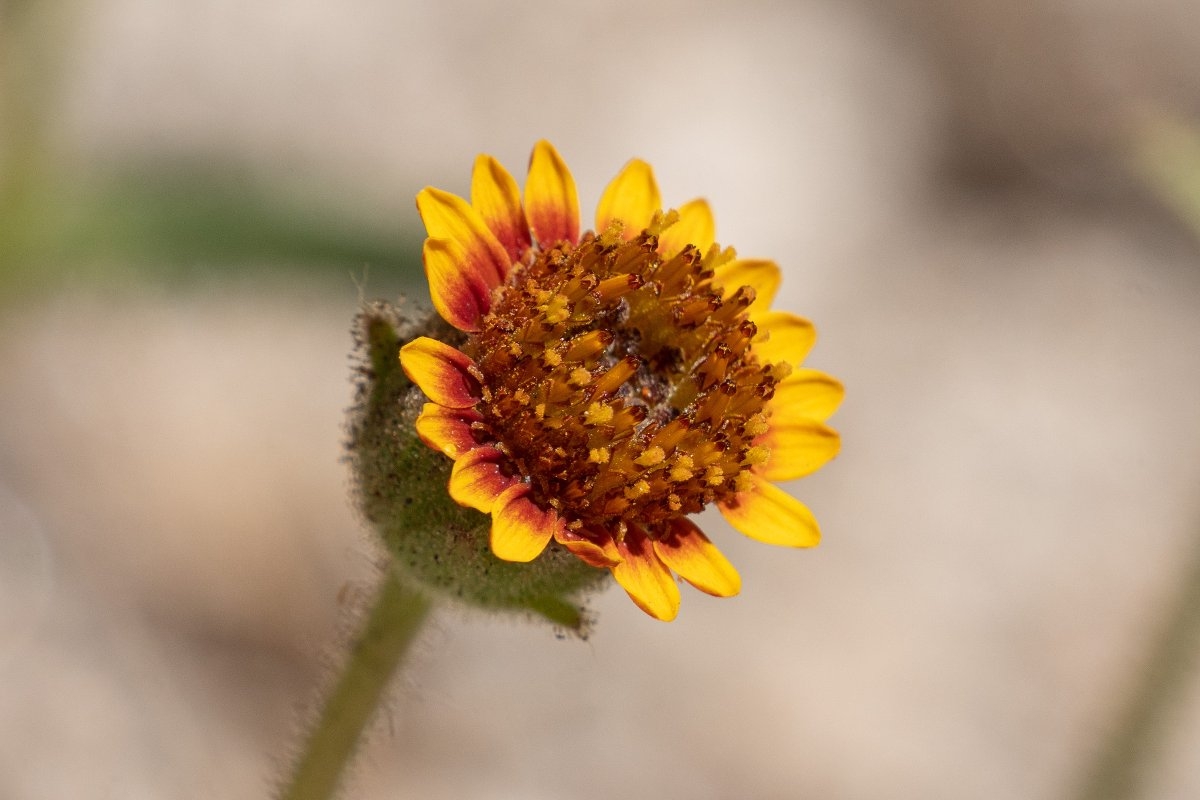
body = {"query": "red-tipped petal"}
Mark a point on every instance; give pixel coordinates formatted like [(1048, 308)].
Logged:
[(521, 530), (460, 294), (770, 515), (645, 578), (442, 373), (688, 551), (448, 216), (598, 549), (695, 226), (448, 429), (783, 337), (761, 275), (806, 394), (798, 447), (632, 197), (551, 203), (494, 194), (476, 480)]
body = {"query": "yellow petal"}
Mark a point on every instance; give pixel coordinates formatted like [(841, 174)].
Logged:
[(631, 197), (798, 447), (688, 551), (645, 578), (806, 394), (448, 216), (695, 226), (770, 515), (551, 203), (521, 530), (441, 372), (783, 337), (476, 480), (448, 429), (761, 275), (494, 194), (594, 549), (461, 293)]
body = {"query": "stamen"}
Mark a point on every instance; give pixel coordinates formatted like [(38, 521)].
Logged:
[(653, 456), (598, 414), (612, 380)]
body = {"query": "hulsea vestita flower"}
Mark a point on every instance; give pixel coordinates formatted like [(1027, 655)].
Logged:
[(607, 385)]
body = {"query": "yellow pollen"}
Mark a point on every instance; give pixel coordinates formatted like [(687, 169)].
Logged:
[(757, 425), (651, 457), (744, 482), (637, 490), (673, 502), (662, 221), (540, 410), (714, 475), (758, 455), (551, 358), (580, 377), (522, 397), (556, 309), (599, 455), (682, 471), (598, 414)]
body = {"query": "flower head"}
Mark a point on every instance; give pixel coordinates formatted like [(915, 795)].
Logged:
[(607, 385)]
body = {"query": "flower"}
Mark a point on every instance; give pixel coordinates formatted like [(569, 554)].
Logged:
[(606, 385)]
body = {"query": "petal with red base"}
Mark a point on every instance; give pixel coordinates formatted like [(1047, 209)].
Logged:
[(460, 294), (632, 197), (551, 203), (448, 429), (476, 480), (783, 337), (444, 374), (798, 447), (494, 194), (695, 226), (521, 530), (687, 551), (770, 515), (806, 394), (598, 549), (644, 577), (761, 275), (448, 216)]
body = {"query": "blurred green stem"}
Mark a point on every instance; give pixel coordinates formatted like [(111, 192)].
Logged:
[(1126, 756), (390, 630)]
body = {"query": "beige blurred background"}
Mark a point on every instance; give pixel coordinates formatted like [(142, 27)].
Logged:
[(982, 206)]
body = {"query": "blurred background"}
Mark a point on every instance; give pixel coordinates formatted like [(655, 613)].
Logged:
[(989, 210)]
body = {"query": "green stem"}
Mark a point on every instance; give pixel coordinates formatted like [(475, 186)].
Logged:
[(1136, 738), (391, 628)]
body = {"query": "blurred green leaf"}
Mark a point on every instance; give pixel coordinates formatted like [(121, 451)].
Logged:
[(177, 221)]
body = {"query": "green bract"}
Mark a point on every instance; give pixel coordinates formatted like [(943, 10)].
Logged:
[(438, 545)]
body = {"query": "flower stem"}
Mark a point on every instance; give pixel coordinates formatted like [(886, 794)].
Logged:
[(390, 629)]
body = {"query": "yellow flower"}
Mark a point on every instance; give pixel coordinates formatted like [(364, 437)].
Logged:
[(608, 385)]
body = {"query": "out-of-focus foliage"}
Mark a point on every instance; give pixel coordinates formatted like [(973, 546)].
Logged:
[(1168, 155), (182, 221)]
